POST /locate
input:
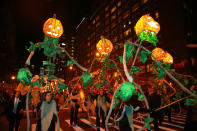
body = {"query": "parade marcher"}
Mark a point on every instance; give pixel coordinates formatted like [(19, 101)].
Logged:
[(75, 98), (15, 111), (154, 100), (191, 120), (48, 114), (101, 108)]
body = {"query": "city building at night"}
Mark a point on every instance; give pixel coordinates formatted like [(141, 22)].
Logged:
[(115, 20), (67, 42)]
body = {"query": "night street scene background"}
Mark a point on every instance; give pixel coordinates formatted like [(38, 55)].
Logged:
[(92, 65)]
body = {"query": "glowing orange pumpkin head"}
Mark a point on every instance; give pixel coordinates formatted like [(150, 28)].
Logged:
[(147, 23), (168, 58), (104, 46), (53, 27), (158, 53)]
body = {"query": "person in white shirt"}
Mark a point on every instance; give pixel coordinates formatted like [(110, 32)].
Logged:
[(16, 108)]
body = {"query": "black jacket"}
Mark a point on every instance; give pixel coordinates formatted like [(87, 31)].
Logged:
[(10, 107)]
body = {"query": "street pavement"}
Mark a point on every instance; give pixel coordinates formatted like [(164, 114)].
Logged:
[(84, 124)]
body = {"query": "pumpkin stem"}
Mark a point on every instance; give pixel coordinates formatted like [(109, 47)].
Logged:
[(102, 37), (54, 15)]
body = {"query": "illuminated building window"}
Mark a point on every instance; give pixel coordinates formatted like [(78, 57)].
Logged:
[(113, 25), (119, 12), (106, 8), (144, 1), (88, 43), (127, 32), (124, 26), (135, 7), (119, 20), (129, 22), (157, 15), (119, 4), (93, 22), (126, 15), (106, 15), (72, 50), (113, 17), (97, 24), (72, 40), (72, 46), (97, 18), (113, 9), (73, 37)]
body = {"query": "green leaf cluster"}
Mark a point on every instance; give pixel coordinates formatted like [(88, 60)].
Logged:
[(24, 76), (86, 78), (148, 36)]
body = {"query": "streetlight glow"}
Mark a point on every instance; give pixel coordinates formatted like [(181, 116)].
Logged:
[(70, 67), (13, 77), (97, 54)]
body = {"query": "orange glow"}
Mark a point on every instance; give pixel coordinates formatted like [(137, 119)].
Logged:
[(81, 93), (97, 54), (104, 46), (53, 27), (158, 53), (168, 58), (147, 23), (115, 74), (70, 67), (13, 77)]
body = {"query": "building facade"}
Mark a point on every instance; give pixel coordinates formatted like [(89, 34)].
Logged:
[(67, 42), (115, 20)]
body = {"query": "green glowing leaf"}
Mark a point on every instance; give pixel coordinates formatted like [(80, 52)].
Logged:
[(86, 78), (135, 70), (148, 36), (126, 91), (143, 56), (24, 76), (70, 62), (148, 121)]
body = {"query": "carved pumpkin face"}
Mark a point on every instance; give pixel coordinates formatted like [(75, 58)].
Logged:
[(158, 53), (168, 58), (104, 46), (147, 23), (53, 28)]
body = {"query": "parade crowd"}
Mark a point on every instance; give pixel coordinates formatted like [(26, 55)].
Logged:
[(51, 104)]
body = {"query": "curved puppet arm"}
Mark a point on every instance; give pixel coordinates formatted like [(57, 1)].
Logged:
[(29, 58), (172, 77), (81, 67)]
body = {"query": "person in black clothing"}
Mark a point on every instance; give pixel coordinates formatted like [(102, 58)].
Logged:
[(191, 120), (15, 111), (75, 98), (154, 100)]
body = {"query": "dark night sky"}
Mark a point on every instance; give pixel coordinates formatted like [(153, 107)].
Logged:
[(23, 21)]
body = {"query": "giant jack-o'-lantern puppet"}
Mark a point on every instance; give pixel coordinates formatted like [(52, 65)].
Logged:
[(53, 27), (147, 29), (158, 53), (104, 46)]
